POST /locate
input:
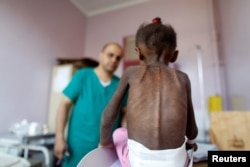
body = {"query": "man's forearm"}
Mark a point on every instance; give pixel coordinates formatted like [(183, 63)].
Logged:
[(61, 120)]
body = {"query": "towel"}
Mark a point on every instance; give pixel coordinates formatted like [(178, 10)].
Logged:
[(140, 156)]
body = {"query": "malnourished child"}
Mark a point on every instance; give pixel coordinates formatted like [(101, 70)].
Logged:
[(160, 117)]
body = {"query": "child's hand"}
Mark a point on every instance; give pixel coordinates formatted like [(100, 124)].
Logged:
[(191, 146), (109, 145)]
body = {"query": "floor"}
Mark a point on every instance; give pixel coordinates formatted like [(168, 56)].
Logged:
[(200, 164)]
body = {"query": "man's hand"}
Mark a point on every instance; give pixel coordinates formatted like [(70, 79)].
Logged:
[(59, 148)]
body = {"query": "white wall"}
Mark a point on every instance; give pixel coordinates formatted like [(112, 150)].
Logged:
[(234, 38), (32, 35)]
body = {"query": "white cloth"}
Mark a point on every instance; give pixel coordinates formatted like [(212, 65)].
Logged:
[(105, 84), (140, 156)]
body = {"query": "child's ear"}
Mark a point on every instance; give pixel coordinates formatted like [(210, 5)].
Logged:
[(174, 56), (139, 53)]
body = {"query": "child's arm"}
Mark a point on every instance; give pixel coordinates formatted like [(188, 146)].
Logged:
[(124, 120), (112, 110), (192, 129)]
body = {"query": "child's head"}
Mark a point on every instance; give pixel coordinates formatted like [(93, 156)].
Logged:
[(157, 39)]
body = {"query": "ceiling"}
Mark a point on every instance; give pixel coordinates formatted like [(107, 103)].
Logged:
[(95, 7)]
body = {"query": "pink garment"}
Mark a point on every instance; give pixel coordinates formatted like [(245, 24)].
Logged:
[(120, 137)]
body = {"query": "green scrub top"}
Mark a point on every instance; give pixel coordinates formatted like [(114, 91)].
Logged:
[(90, 98)]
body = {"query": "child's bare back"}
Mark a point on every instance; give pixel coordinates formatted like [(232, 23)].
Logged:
[(157, 106)]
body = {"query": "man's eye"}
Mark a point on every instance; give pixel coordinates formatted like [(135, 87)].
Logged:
[(118, 58), (110, 54)]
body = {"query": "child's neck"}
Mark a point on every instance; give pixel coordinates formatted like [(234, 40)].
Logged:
[(154, 61)]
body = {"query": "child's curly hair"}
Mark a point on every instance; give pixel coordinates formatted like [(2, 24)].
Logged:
[(156, 36)]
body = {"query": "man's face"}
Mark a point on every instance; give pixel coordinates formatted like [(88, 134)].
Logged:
[(111, 57)]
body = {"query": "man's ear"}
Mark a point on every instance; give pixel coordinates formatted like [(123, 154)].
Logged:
[(100, 56), (174, 56)]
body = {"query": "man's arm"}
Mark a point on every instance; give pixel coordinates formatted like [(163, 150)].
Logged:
[(112, 110), (61, 120)]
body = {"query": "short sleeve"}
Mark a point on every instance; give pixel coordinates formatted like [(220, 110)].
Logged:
[(72, 90)]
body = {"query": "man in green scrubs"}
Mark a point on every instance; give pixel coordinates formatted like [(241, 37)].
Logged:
[(88, 92)]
